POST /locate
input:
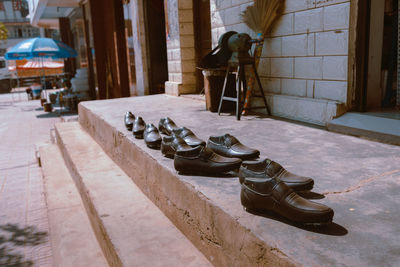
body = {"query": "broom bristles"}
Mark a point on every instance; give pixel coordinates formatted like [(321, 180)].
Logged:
[(260, 16)]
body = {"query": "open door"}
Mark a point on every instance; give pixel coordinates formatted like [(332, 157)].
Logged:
[(157, 46), (380, 70)]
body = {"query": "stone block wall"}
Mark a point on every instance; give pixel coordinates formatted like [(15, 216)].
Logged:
[(305, 58), (180, 48)]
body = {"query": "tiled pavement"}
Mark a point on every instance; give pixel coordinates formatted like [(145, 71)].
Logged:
[(24, 239)]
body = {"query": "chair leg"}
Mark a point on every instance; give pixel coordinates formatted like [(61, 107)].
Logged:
[(261, 89), (223, 90), (244, 84), (238, 90)]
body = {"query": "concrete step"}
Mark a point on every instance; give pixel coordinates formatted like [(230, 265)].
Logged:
[(205, 209), (131, 230), (72, 238), (356, 177), (368, 125)]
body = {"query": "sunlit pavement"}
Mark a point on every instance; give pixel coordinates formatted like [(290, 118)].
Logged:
[(24, 231)]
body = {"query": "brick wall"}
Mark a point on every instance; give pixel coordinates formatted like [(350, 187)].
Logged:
[(180, 48), (306, 54)]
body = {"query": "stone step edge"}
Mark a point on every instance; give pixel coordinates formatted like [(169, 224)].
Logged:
[(219, 236), (114, 247), (69, 225)]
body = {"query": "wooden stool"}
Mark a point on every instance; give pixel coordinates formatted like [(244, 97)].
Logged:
[(239, 70)]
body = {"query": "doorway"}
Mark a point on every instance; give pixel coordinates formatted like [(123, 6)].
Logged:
[(377, 45), (157, 46), (202, 35)]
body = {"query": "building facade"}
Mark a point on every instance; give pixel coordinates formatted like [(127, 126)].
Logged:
[(322, 58)]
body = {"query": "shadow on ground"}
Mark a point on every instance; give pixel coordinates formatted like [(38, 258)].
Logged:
[(332, 228), (14, 237)]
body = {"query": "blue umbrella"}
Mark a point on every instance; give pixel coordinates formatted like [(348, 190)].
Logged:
[(40, 47)]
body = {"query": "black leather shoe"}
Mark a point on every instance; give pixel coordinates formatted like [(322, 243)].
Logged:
[(269, 194), (171, 144), (271, 169), (203, 160), (190, 138), (228, 146), (166, 125), (151, 136), (138, 127), (128, 120)]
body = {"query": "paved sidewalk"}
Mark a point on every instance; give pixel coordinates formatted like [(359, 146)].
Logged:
[(24, 237)]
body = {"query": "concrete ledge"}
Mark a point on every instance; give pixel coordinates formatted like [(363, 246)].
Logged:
[(72, 238), (131, 230), (375, 128), (310, 110), (357, 178), (215, 232)]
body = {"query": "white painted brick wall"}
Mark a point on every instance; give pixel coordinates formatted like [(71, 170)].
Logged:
[(282, 67), (272, 47), (331, 43), (308, 67), (294, 87), (333, 90), (297, 5), (335, 68), (221, 4), (271, 85), (295, 45), (309, 21), (239, 2), (336, 16), (319, 3), (231, 15), (284, 25), (310, 88), (311, 44)]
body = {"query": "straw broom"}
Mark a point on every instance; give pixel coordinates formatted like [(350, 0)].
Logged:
[(260, 18)]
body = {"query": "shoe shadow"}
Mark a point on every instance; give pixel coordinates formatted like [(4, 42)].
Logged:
[(332, 229), (310, 195), (154, 147)]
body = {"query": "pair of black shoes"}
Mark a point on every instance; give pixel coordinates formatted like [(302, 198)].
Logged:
[(191, 155), (141, 130), (197, 159), (268, 187)]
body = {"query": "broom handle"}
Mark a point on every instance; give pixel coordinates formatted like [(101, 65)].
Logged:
[(251, 81)]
